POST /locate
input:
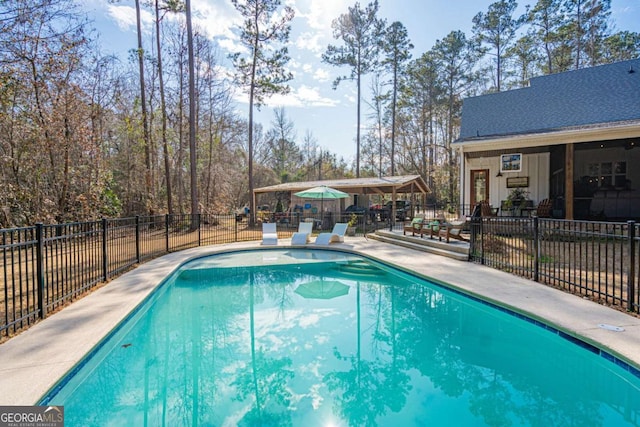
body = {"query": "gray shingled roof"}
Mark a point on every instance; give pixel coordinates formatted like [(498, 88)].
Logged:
[(603, 94), (384, 185)]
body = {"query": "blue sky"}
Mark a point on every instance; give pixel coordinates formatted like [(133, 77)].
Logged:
[(330, 115)]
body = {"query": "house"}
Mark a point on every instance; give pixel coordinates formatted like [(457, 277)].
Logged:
[(572, 137)]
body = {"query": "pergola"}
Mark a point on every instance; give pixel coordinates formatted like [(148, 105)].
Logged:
[(405, 184)]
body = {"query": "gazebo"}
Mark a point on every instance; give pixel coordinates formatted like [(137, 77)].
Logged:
[(393, 185)]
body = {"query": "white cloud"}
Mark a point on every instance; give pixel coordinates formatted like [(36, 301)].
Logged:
[(294, 64), (311, 96), (321, 75), (312, 71), (125, 17), (217, 18), (303, 96), (232, 46), (316, 17), (320, 13), (311, 41)]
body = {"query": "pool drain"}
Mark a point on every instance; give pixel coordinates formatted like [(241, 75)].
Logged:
[(611, 327)]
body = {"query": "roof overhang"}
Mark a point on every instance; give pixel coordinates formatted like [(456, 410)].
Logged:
[(601, 132), (381, 186)]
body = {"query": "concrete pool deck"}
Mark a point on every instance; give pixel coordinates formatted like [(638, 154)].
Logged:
[(33, 361)]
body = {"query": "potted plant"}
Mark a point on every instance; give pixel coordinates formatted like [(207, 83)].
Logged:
[(517, 198), (351, 225)]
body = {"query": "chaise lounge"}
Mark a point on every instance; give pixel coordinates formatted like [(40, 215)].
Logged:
[(303, 235), (269, 233), (336, 235)]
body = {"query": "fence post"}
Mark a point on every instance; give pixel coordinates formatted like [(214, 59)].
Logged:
[(138, 239), (236, 228), (40, 269), (481, 220), (166, 231), (105, 272), (631, 280), (199, 229), (536, 249)]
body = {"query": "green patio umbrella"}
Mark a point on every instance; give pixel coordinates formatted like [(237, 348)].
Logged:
[(322, 192), (322, 289)]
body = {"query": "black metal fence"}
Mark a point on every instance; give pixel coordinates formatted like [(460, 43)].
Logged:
[(596, 259), (45, 267)]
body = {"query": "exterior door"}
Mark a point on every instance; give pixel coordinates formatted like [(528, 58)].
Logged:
[(479, 186)]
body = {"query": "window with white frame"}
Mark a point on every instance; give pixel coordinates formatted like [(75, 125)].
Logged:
[(609, 174)]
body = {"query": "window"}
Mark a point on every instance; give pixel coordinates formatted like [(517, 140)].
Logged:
[(609, 174)]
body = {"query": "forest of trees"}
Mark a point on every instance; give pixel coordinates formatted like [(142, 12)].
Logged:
[(83, 136)]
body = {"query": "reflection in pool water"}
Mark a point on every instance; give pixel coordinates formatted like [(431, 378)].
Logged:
[(310, 338)]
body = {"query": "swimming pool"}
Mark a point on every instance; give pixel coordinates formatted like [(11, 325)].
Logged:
[(301, 337)]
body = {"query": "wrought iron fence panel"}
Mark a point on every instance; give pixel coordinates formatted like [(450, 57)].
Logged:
[(594, 259), (72, 261), (183, 231), (586, 257), (18, 307), (634, 251), (120, 244), (152, 236)]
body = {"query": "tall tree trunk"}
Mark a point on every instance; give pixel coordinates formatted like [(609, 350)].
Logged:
[(358, 127), (393, 120), (578, 32), (143, 105), (179, 180), (252, 89), (192, 117), (163, 108)]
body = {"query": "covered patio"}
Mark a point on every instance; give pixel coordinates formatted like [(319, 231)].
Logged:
[(410, 187)]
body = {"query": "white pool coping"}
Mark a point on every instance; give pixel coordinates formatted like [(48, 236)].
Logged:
[(32, 362)]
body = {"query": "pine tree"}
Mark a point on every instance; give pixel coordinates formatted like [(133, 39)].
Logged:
[(360, 30), (261, 73)]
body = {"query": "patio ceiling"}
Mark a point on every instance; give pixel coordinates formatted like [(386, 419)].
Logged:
[(381, 186)]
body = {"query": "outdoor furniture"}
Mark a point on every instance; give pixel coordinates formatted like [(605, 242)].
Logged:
[(415, 226), (487, 210), (544, 208), (432, 226), (303, 236), (336, 235), (452, 230), (269, 233)]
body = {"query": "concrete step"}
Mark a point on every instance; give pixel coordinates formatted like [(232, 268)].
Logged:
[(453, 245), (455, 250)]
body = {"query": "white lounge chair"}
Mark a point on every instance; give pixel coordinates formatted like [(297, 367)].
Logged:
[(336, 235), (269, 233), (303, 236)]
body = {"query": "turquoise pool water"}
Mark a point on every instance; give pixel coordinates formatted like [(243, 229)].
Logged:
[(322, 338)]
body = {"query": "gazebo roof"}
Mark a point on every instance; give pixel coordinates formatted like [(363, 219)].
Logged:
[(384, 185)]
